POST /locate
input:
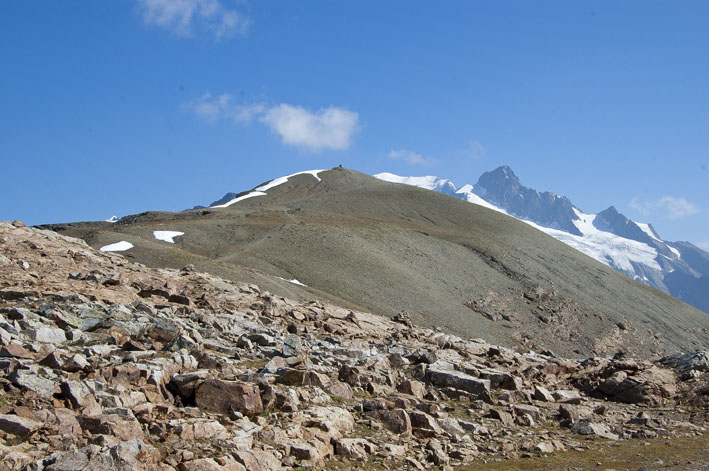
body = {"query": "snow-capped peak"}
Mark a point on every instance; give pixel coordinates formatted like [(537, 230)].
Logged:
[(428, 182), (633, 248)]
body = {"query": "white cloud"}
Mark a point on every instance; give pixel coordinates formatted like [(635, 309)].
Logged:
[(183, 17), (475, 150), (673, 207), (411, 157), (703, 245), (223, 106), (327, 128)]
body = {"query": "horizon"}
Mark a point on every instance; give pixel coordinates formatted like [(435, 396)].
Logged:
[(116, 108)]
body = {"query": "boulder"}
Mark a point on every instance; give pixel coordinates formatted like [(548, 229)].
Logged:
[(586, 427), (357, 449), (455, 379), (423, 424), (395, 420), (14, 350), (451, 426), (112, 424), (651, 386), (503, 416), (413, 388), (223, 397), (533, 412), (567, 396), (76, 392), (27, 379), (542, 394), (16, 425)]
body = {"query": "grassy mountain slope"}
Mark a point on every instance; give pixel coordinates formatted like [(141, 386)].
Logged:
[(386, 247)]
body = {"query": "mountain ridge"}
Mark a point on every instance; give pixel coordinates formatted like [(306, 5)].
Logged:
[(666, 270), (369, 244)]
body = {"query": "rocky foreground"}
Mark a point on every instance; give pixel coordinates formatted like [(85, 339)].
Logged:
[(108, 365)]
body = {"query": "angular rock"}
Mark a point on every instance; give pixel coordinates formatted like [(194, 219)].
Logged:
[(567, 397), (208, 464), (16, 425), (16, 351), (455, 379), (76, 392), (30, 381), (228, 396), (254, 460), (423, 424), (544, 447), (542, 394), (586, 427), (451, 426), (504, 417), (292, 346), (45, 335), (396, 420), (413, 388), (533, 412), (357, 449), (112, 424)]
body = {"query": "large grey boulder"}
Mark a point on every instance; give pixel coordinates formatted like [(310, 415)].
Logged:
[(457, 380)]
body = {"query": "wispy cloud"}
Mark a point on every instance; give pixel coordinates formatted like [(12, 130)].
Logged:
[(186, 17), (474, 150), (671, 206), (213, 108), (703, 245), (327, 128), (412, 158)]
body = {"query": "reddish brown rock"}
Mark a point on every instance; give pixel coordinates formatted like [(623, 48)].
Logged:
[(396, 420), (413, 388), (15, 351), (220, 396)]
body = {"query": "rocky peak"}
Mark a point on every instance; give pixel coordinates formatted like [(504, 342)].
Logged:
[(610, 220), (504, 189)]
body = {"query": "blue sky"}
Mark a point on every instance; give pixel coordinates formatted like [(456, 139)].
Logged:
[(118, 107)]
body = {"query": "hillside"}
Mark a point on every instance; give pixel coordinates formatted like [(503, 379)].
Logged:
[(386, 248), (633, 248), (108, 365)]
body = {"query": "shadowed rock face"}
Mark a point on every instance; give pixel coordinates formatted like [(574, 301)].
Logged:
[(502, 188), (610, 220), (355, 240)]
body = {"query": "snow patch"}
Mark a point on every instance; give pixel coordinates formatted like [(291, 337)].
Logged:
[(610, 249), (121, 246), (674, 251), (240, 198), (428, 182), (646, 229), (281, 180), (294, 281), (261, 191), (167, 236), (466, 191)]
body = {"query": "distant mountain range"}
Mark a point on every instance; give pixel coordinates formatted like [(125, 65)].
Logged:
[(680, 269)]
